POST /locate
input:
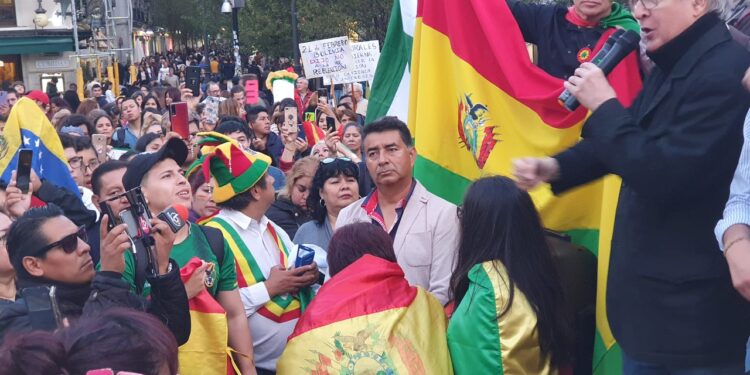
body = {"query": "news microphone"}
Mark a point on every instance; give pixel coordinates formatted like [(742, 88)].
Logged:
[(625, 44), (175, 216)]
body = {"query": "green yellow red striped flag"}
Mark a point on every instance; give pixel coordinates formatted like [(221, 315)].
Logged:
[(480, 342), (367, 319), (477, 102), (206, 351)]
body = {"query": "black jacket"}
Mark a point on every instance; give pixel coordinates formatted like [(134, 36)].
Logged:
[(670, 298), (168, 302), (71, 204), (286, 215)]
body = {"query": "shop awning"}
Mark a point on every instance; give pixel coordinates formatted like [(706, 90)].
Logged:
[(29, 41), (35, 44)]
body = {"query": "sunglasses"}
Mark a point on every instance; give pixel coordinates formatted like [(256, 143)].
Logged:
[(331, 160), (69, 243)]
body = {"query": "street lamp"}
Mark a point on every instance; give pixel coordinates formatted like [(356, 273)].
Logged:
[(226, 7), (40, 17)]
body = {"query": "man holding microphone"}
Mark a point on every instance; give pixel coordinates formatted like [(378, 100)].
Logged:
[(670, 300)]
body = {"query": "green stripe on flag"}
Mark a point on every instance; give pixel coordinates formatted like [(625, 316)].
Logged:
[(451, 187), (606, 361), (395, 58), (440, 181)]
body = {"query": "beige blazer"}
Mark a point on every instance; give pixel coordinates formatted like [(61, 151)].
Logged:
[(426, 242)]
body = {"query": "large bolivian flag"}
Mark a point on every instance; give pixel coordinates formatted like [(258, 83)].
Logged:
[(368, 320), (477, 102), (28, 127)]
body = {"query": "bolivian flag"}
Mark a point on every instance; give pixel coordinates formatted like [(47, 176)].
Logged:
[(477, 102), (368, 320), (313, 133), (206, 351)]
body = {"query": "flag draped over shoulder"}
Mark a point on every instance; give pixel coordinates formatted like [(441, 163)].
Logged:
[(482, 343), (477, 102), (368, 320), (206, 350), (28, 127)]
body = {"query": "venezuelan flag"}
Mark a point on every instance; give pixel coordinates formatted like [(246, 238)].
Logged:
[(205, 352), (368, 320), (28, 127), (477, 102)]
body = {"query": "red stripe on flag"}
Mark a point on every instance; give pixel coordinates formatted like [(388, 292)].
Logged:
[(369, 285), (486, 36)]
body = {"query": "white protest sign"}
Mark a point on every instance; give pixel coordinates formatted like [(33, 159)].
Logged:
[(366, 55), (326, 57)]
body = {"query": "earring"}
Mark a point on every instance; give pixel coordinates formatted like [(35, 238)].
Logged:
[(322, 202)]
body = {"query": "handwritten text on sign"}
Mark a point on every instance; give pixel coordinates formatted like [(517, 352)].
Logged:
[(366, 55), (327, 57)]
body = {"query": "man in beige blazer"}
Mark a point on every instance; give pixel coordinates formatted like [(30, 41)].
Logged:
[(423, 226)]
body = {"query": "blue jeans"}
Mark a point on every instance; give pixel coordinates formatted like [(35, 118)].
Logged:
[(633, 367)]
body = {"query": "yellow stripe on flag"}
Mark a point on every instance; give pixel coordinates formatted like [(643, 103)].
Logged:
[(518, 130)]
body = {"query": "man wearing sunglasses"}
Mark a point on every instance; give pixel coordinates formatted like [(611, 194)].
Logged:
[(47, 250)]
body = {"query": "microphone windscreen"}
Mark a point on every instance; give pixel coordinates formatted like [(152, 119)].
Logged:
[(182, 211)]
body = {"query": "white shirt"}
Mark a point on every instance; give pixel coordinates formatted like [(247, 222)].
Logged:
[(269, 337)]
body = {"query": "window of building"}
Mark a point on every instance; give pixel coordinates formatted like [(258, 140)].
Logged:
[(7, 13), (10, 70)]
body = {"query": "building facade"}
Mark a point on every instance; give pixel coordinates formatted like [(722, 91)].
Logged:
[(34, 54)]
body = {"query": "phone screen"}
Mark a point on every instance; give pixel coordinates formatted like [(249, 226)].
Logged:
[(23, 170), (3, 97)]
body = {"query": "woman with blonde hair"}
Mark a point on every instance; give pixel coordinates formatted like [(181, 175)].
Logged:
[(290, 209)]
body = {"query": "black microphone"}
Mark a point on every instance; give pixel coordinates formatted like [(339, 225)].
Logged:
[(626, 43), (566, 96)]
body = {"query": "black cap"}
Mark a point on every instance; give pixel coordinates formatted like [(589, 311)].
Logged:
[(174, 149)]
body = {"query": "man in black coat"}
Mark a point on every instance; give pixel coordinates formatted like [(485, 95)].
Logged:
[(670, 300), (46, 250)]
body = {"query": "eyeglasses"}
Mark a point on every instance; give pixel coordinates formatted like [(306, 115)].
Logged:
[(77, 163), (647, 4), (69, 243), (331, 160)]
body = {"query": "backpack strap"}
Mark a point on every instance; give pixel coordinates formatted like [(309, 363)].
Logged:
[(215, 241)]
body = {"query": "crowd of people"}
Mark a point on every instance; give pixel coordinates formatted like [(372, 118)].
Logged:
[(310, 247)]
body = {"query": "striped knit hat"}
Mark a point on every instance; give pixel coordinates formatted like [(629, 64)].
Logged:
[(207, 144), (235, 170)]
